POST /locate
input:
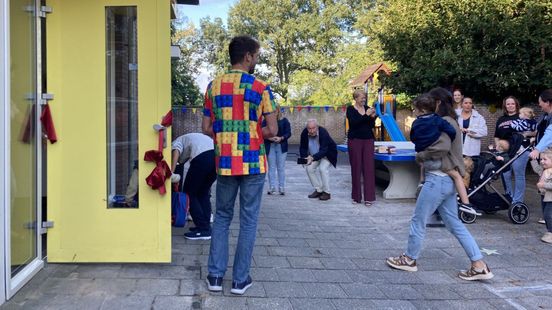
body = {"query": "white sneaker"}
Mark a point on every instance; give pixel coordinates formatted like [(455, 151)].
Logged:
[(467, 208), (541, 221), (547, 237)]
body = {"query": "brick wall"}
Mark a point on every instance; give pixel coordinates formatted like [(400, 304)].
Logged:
[(332, 120)]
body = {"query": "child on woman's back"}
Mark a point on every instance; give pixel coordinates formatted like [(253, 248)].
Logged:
[(432, 137)]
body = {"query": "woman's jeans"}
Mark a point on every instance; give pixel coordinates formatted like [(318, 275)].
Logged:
[(251, 191), (439, 193), (547, 213), (518, 168), (277, 163)]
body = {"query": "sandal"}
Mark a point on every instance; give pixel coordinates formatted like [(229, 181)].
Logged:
[(368, 203)]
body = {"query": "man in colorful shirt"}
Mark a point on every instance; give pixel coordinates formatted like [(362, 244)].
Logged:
[(235, 104)]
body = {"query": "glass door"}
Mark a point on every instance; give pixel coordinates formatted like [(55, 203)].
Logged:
[(23, 259)]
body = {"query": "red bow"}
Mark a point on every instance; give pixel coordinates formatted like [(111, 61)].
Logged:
[(162, 171), (47, 125)]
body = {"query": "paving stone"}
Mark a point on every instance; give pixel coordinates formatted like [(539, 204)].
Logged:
[(128, 302), (312, 304), (324, 290), (264, 274), (156, 287), (393, 304), (98, 271), (256, 290), (284, 289), (353, 304), (227, 303), (158, 271), (271, 261), (172, 303), (437, 291), (332, 276), (400, 291), (305, 262), (295, 275), (268, 303), (337, 263), (361, 290)]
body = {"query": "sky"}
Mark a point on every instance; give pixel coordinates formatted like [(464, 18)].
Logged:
[(212, 8)]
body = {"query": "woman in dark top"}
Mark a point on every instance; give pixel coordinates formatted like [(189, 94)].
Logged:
[(276, 148), (360, 142), (504, 130)]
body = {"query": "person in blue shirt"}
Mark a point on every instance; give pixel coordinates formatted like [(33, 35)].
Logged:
[(432, 137)]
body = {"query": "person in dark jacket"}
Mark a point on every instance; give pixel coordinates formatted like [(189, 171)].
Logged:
[(360, 144), (320, 151), (276, 148)]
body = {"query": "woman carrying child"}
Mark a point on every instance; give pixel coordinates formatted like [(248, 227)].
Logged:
[(505, 130), (438, 193)]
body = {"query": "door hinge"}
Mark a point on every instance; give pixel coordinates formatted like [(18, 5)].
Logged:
[(43, 10), (46, 97), (45, 226)]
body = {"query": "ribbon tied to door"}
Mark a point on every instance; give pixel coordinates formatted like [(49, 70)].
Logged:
[(162, 171)]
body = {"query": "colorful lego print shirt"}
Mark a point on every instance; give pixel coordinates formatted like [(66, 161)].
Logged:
[(236, 102)]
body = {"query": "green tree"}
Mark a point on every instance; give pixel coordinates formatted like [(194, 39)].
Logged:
[(184, 91), (296, 35), (489, 48)]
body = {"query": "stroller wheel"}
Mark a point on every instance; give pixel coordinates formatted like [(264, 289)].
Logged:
[(518, 213), (467, 218)]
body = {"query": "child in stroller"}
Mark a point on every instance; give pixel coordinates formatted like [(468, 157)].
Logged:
[(489, 166)]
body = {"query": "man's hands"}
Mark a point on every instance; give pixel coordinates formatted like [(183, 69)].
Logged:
[(276, 139), (175, 178), (309, 160)]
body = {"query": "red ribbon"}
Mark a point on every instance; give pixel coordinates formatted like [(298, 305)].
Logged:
[(162, 171), (48, 124)]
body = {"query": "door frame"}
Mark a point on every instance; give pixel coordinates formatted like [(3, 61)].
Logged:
[(12, 285), (4, 99)]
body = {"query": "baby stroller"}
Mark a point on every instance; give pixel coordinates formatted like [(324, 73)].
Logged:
[(483, 194)]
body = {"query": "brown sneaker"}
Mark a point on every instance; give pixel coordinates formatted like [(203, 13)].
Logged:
[(325, 196), (402, 263), (473, 274), (315, 194)]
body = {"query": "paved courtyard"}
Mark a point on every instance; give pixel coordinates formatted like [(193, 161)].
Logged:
[(319, 255)]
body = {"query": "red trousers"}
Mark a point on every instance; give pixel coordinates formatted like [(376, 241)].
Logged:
[(361, 158)]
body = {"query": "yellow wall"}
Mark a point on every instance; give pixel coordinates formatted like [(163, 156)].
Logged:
[(85, 230)]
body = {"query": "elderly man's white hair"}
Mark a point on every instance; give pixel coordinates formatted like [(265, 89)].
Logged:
[(312, 120)]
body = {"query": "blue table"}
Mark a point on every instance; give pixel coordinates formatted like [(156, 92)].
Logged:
[(404, 173)]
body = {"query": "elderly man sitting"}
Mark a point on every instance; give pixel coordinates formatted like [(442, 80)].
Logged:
[(320, 152)]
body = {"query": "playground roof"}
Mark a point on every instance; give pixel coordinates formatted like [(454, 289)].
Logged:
[(368, 72)]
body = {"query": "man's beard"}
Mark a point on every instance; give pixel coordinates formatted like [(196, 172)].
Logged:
[(251, 69)]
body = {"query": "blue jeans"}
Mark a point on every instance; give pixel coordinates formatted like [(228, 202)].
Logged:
[(251, 189), (277, 162), (439, 193), (518, 168)]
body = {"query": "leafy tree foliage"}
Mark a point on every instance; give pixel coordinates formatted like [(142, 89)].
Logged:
[(184, 91), (490, 48)]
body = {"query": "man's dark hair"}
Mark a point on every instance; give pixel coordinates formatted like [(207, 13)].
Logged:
[(546, 96), (444, 105), (424, 103), (240, 46)]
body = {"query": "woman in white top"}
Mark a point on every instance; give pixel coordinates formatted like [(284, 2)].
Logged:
[(473, 128)]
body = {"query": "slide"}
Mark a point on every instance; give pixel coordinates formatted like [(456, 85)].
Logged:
[(389, 122)]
